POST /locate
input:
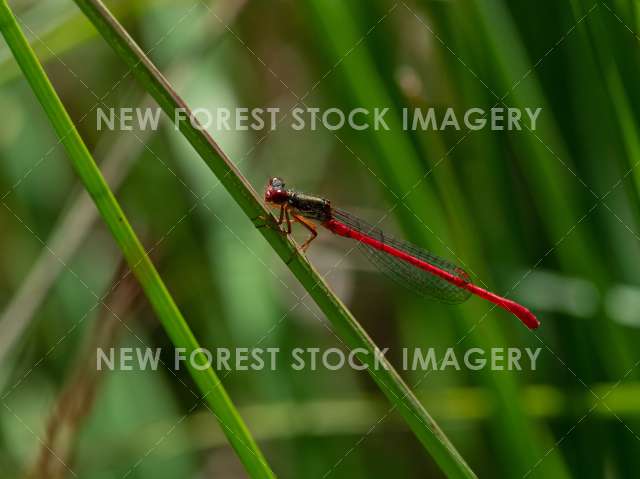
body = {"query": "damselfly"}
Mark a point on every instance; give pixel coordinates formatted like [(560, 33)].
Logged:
[(411, 266)]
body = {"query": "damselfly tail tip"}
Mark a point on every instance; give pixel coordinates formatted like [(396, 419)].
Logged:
[(523, 314), (530, 320)]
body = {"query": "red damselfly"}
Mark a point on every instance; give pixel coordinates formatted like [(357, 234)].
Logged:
[(411, 266)]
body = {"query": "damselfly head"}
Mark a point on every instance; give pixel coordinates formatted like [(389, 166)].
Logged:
[(276, 192)]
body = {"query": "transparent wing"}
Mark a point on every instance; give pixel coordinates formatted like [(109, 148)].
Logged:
[(418, 280)]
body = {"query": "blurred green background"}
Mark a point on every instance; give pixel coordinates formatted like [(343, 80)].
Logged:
[(548, 217)]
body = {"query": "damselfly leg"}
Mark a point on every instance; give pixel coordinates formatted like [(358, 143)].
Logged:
[(310, 226), (284, 216)]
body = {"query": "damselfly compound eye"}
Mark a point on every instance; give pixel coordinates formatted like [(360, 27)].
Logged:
[(276, 182)]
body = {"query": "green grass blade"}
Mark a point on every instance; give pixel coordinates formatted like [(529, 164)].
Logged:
[(154, 288), (61, 36), (345, 325), (518, 440)]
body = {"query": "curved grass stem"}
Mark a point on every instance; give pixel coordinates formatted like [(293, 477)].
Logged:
[(344, 324), (213, 393)]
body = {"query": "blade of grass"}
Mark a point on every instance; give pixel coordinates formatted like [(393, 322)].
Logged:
[(518, 440), (294, 420), (61, 35), (558, 189), (69, 234), (119, 152), (558, 195), (346, 326), (153, 286)]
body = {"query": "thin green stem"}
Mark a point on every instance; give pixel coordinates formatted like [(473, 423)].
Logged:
[(345, 325), (175, 325)]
